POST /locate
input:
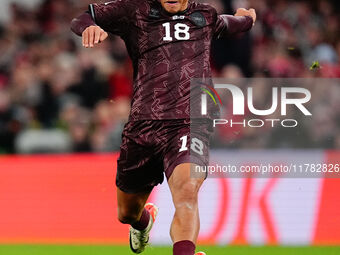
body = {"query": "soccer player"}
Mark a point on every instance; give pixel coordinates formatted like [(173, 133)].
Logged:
[(169, 43)]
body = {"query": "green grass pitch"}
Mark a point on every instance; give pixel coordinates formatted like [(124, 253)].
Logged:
[(124, 250)]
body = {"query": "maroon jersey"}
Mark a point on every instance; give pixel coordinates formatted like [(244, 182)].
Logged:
[(167, 50)]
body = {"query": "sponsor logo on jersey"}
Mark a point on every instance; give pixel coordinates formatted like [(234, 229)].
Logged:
[(178, 17)]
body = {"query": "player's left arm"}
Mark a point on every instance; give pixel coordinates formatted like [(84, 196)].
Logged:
[(242, 21)]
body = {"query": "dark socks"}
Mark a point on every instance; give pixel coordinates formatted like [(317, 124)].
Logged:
[(143, 222), (185, 247)]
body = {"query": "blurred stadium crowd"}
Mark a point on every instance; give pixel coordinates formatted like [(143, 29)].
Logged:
[(56, 96)]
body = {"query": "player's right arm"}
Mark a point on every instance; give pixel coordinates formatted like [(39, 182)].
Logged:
[(85, 27), (112, 17)]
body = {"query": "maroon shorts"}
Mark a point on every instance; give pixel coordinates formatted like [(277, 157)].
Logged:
[(151, 148)]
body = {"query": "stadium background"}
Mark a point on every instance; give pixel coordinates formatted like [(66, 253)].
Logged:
[(70, 104)]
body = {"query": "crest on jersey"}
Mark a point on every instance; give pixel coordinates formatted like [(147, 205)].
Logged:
[(198, 19), (154, 13)]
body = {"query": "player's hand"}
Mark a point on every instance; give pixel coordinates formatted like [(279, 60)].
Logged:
[(93, 35), (244, 12)]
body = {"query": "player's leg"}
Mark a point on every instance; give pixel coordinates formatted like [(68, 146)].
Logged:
[(187, 145), (131, 207), (139, 170), (132, 210), (185, 225)]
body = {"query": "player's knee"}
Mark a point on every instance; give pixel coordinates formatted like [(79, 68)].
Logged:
[(127, 217), (187, 194)]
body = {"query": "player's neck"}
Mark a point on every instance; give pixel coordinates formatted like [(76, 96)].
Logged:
[(184, 7)]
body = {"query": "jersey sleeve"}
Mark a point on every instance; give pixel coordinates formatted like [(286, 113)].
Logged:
[(227, 25), (113, 16)]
